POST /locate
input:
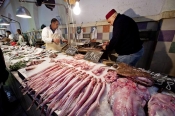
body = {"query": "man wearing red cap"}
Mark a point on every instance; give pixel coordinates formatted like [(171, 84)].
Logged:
[(125, 39)]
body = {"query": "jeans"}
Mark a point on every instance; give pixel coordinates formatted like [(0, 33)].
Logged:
[(131, 59)]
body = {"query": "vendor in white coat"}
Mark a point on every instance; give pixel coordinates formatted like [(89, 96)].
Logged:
[(20, 37), (52, 35)]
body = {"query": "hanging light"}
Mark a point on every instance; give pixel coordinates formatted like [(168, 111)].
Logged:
[(4, 22), (23, 12), (3, 27), (76, 9)]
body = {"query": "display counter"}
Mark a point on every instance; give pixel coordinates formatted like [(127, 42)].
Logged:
[(61, 85)]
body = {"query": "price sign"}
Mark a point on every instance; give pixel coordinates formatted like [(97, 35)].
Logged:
[(71, 51), (93, 56)]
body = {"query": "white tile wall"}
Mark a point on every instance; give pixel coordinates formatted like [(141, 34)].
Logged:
[(100, 29), (168, 24), (105, 36)]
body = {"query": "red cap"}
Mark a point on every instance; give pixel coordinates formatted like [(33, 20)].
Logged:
[(110, 13)]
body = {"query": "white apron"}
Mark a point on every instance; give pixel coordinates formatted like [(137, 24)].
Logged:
[(53, 46)]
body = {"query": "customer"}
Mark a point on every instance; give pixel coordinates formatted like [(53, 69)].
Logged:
[(125, 39), (20, 37), (52, 35)]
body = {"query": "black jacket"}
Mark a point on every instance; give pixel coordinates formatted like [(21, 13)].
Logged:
[(125, 39), (4, 73)]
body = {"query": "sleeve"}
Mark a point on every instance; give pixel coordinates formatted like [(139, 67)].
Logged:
[(117, 32), (10, 36), (45, 36)]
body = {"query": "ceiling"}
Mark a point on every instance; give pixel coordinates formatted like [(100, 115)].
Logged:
[(1, 2)]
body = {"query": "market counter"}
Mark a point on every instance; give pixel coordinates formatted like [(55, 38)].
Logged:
[(65, 75), (15, 82)]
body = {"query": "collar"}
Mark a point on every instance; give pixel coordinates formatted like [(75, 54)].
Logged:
[(118, 16), (52, 29)]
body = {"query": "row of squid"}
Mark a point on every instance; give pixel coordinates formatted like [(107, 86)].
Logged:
[(65, 89)]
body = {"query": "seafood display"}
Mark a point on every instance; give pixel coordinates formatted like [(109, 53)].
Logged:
[(66, 89), (79, 56), (111, 76), (127, 98), (72, 86), (134, 74), (98, 71), (161, 105)]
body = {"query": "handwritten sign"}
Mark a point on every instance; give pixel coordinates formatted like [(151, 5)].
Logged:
[(71, 51), (93, 56)]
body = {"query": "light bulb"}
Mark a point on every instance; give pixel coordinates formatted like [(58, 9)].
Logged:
[(76, 9)]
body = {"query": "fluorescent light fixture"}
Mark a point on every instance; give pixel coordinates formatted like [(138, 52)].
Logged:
[(77, 9), (23, 12), (3, 27), (4, 22)]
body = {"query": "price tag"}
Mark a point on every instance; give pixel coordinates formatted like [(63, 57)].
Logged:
[(93, 56), (71, 51)]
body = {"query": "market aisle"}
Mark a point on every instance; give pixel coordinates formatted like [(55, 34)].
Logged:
[(10, 108)]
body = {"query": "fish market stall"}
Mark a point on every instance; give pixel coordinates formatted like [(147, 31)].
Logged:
[(58, 84)]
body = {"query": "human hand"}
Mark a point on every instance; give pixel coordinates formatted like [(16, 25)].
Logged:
[(56, 40), (65, 40), (104, 47), (106, 43)]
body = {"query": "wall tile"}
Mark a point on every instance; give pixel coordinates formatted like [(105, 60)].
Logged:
[(111, 29), (100, 29), (88, 29), (142, 25), (172, 57), (106, 28), (161, 62), (84, 29), (172, 48), (152, 25), (174, 38), (99, 36), (110, 35), (163, 47), (166, 35), (168, 24), (105, 36)]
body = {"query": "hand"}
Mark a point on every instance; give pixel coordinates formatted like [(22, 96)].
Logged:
[(57, 41), (106, 43), (104, 47), (65, 41)]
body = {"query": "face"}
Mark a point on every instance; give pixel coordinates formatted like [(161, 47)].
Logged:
[(111, 20), (54, 25)]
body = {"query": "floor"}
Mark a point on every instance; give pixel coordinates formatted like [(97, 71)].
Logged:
[(10, 107)]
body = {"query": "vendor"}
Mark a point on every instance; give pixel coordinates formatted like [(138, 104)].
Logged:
[(52, 35), (9, 35), (125, 39), (20, 37)]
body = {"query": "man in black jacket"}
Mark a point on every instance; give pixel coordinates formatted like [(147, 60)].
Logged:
[(125, 39)]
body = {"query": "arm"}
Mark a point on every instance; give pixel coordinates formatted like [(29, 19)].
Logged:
[(45, 36), (117, 32)]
